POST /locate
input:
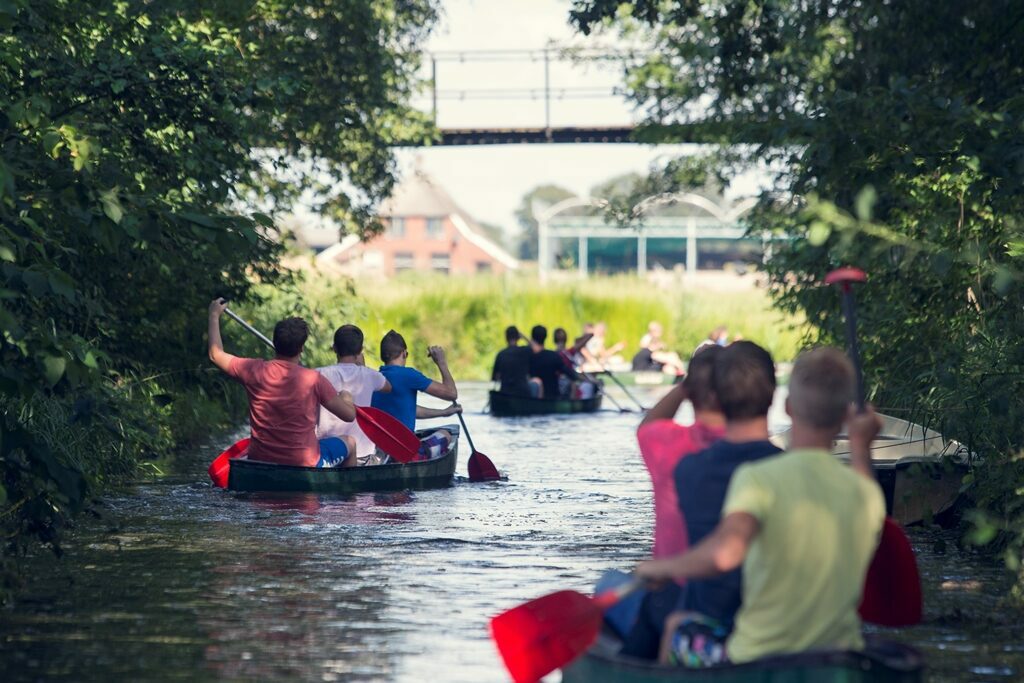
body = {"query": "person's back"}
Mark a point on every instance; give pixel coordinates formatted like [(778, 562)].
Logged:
[(361, 382), (743, 379), (545, 364), (406, 382), (512, 365), (819, 523), (284, 398)]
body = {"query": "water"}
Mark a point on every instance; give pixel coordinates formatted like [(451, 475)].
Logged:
[(178, 581)]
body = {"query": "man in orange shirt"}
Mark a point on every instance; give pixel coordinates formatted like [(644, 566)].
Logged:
[(284, 399)]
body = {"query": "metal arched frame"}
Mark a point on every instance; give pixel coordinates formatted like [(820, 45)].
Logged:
[(725, 218)]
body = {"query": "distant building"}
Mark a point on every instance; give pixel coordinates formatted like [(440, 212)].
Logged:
[(425, 230)]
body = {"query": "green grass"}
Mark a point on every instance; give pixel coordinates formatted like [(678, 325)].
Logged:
[(468, 315)]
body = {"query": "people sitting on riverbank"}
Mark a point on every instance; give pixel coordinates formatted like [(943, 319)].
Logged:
[(512, 367), (742, 383), (571, 358), (595, 353), (717, 337), (284, 399), (654, 356), (406, 382), (547, 365), (351, 374), (803, 526)]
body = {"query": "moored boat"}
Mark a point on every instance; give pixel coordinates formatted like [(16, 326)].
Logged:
[(248, 475), (507, 405), (881, 662), (919, 470)]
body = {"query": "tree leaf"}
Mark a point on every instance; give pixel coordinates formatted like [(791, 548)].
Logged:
[(112, 205), (53, 369)]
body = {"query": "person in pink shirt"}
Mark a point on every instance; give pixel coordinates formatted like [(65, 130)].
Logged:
[(284, 399), (663, 443)]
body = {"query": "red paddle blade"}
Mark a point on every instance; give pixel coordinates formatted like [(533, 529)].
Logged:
[(481, 468), (389, 435), (892, 587), (220, 468), (845, 276), (539, 636)]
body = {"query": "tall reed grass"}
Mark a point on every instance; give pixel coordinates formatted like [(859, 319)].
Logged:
[(468, 315)]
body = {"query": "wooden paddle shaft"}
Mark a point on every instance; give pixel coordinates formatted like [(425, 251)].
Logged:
[(472, 448), (850, 313)]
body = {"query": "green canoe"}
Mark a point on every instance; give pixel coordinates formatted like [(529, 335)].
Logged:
[(882, 662), (248, 475), (507, 405)]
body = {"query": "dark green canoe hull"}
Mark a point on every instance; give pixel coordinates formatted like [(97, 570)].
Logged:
[(504, 405), (885, 662), (247, 475)]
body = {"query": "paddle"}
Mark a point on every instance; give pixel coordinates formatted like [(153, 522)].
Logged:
[(892, 587), (599, 387), (387, 433), (480, 466), (622, 386), (548, 632)]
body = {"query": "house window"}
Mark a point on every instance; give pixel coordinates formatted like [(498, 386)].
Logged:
[(404, 261), (440, 262), (373, 259), (483, 266), (435, 228), (396, 228)]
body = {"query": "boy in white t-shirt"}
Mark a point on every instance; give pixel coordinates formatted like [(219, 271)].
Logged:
[(351, 374)]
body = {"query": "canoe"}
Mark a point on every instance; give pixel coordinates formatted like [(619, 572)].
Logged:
[(881, 662), (507, 405), (920, 472), (249, 475)]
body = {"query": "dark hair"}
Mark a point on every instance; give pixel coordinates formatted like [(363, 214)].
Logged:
[(539, 333), (290, 335), (560, 336), (698, 382), (512, 334), (348, 340), (744, 380), (391, 346)]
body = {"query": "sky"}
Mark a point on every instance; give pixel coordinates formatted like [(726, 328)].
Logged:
[(489, 181)]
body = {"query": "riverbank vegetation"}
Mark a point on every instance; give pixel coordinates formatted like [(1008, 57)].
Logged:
[(137, 142), (468, 315), (895, 132)]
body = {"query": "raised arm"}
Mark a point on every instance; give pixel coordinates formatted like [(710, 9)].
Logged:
[(667, 407), (445, 389), (862, 428), (720, 552), (220, 358)]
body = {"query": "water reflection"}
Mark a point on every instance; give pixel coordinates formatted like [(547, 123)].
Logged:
[(201, 585)]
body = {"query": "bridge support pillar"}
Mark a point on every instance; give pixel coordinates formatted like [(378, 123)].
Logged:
[(543, 246), (641, 254)]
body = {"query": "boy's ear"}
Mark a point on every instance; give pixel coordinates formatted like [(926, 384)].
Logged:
[(788, 411)]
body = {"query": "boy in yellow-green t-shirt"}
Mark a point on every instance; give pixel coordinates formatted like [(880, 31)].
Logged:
[(803, 526)]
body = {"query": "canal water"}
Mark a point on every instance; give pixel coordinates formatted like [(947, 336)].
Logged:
[(176, 581)]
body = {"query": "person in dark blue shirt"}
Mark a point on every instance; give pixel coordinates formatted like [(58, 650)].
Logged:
[(547, 365), (406, 382), (743, 382)]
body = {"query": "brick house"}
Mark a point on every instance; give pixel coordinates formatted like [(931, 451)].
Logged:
[(425, 230)]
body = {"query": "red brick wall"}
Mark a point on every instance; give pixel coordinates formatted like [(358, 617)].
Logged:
[(464, 257)]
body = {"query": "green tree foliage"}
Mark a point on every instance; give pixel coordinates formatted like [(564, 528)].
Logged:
[(136, 141), (897, 132), (543, 195)]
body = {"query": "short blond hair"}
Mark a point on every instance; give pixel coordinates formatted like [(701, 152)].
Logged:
[(821, 388)]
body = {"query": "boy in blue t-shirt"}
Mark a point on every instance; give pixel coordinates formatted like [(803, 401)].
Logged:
[(406, 382)]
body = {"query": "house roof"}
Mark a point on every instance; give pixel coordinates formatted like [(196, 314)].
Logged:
[(419, 195)]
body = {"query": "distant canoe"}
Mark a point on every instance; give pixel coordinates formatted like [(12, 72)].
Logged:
[(882, 662), (248, 475), (919, 470), (507, 405)]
